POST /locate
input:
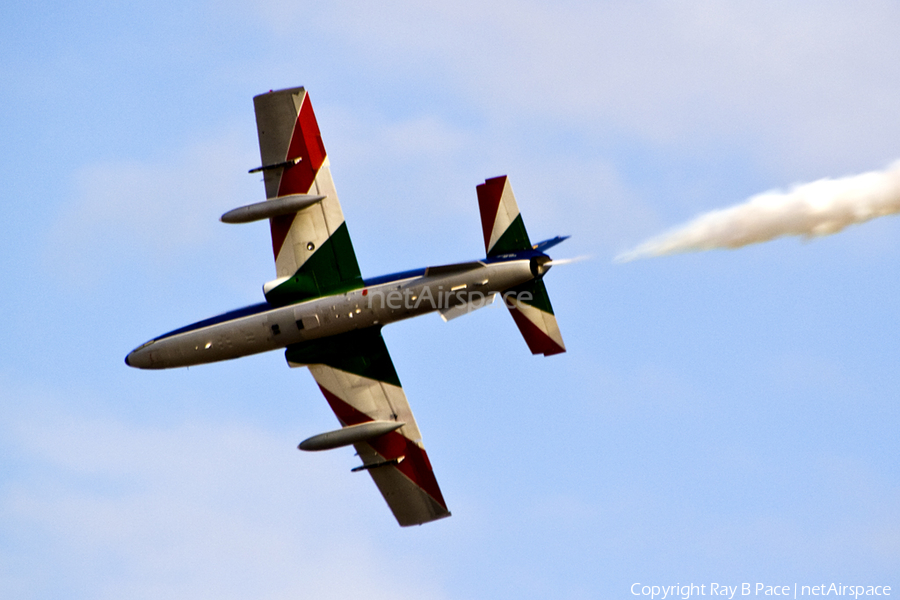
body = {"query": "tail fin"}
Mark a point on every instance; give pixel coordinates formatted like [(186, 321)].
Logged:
[(504, 233)]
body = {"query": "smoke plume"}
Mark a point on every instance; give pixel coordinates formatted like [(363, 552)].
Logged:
[(811, 209)]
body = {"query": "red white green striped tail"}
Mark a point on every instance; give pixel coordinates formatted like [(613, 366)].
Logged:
[(504, 233)]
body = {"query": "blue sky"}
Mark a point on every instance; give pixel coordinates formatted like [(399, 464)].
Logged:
[(727, 416)]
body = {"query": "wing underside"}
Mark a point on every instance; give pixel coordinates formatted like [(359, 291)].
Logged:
[(311, 245), (357, 377), (314, 257)]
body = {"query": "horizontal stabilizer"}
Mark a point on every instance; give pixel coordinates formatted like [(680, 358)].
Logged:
[(504, 231), (283, 205), (529, 305)]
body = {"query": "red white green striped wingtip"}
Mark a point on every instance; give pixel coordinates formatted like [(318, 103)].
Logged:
[(312, 248)]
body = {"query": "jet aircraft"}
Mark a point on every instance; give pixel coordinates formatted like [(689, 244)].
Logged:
[(328, 317)]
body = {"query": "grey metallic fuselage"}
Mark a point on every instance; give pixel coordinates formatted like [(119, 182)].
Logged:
[(382, 300)]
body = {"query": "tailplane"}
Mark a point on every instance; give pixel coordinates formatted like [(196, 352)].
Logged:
[(504, 233), (504, 230)]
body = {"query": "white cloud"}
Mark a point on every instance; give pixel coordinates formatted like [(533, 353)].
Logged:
[(125, 213), (419, 175), (190, 510), (394, 151), (809, 84)]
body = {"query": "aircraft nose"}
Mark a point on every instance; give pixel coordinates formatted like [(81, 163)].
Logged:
[(139, 358)]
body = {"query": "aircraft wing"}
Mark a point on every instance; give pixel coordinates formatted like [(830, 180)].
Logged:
[(314, 257), (312, 248), (357, 377)]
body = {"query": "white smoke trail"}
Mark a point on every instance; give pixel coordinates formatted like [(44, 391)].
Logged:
[(809, 210)]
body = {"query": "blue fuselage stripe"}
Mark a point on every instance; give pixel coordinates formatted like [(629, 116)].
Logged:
[(229, 316), (382, 279)]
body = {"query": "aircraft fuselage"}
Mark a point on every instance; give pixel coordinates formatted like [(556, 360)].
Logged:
[(262, 327)]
